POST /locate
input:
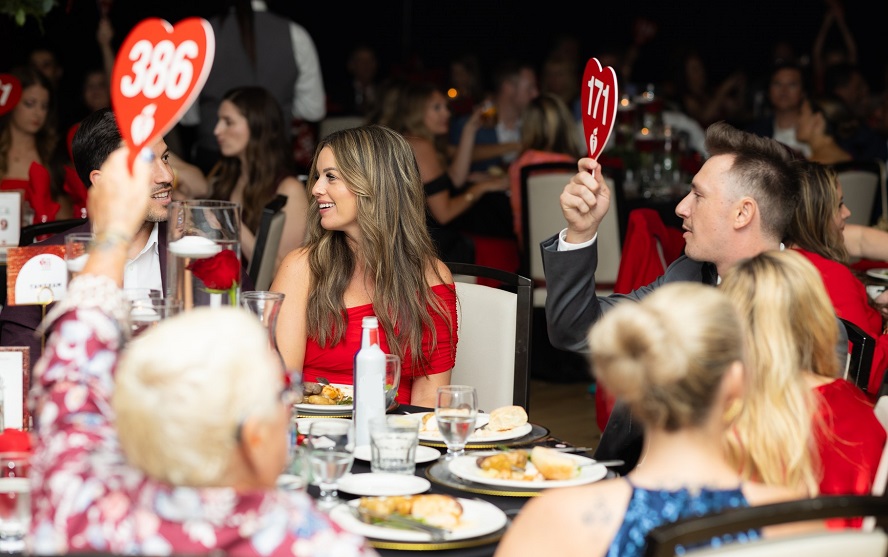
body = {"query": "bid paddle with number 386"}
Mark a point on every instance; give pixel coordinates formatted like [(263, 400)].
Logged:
[(160, 69)]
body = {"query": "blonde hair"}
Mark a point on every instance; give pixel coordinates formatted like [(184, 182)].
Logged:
[(183, 387), (813, 222), (792, 328), (666, 356)]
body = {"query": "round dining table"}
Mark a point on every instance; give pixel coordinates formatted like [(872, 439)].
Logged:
[(444, 483)]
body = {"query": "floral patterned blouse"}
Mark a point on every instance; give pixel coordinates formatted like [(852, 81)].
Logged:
[(86, 497)]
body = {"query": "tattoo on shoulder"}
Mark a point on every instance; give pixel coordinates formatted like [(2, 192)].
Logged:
[(596, 512)]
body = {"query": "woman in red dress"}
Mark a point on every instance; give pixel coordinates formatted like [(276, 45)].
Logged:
[(28, 135), (367, 252), (797, 402), (816, 232)]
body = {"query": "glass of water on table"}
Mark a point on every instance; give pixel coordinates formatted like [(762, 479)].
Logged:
[(330, 444), (456, 408)]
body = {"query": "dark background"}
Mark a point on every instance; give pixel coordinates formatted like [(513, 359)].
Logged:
[(427, 34)]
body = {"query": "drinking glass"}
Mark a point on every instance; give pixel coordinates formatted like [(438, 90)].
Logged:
[(331, 444), (266, 305), (135, 294), (392, 378), (147, 313), (77, 251), (456, 408), (15, 502), (204, 258)]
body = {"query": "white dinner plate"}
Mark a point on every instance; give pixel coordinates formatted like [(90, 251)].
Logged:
[(466, 467), (329, 408), (881, 274), (423, 453), (482, 436), (382, 484), (479, 518)]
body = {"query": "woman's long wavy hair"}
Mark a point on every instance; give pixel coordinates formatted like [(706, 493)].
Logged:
[(812, 227), (792, 329), (266, 156), (47, 138), (378, 166)]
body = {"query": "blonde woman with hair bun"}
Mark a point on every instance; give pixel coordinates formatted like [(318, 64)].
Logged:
[(677, 359), (801, 424)]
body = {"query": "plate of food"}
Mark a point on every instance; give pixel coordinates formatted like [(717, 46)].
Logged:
[(390, 518), (501, 424), (538, 468), (326, 399), (881, 274)]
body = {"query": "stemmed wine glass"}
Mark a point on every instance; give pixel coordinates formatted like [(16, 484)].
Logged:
[(331, 444), (456, 408)]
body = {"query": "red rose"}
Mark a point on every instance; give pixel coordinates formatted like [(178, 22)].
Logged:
[(220, 272)]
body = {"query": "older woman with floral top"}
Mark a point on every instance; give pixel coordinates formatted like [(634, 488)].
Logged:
[(173, 445)]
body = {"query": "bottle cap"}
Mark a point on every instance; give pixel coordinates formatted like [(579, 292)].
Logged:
[(370, 322)]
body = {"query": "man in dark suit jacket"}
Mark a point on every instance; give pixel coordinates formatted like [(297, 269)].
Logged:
[(94, 141), (740, 205)]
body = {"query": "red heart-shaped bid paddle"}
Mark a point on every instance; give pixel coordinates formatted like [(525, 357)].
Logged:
[(10, 92), (159, 71), (599, 97)]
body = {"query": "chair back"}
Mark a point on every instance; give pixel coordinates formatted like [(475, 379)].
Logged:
[(332, 124), (662, 540), (494, 328), (33, 232), (649, 247), (860, 358), (861, 182), (268, 240), (541, 187)]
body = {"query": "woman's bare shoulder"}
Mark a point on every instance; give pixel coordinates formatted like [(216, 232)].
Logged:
[(291, 186), (442, 276), (295, 262)]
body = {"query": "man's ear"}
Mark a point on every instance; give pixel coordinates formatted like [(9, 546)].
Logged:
[(747, 210), (94, 177)]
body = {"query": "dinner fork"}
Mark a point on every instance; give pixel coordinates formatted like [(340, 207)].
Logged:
[(399, 521)]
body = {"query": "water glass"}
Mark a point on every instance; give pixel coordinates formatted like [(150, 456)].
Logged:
[(77, 251), (134, 294), (456, 408), (331, 445), (392, 378), (204, 258), (15, 502), (147, 313), (393, 442)]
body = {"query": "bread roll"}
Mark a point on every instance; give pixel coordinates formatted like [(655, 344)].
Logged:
[(439, 510), (552, 464), (429, 423), (507, 417)]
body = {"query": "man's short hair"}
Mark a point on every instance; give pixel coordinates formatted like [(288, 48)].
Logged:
[(763, 169), (95, 139)]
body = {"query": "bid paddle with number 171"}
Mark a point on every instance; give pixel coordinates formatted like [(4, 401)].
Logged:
[(159, 71), (599, 102)]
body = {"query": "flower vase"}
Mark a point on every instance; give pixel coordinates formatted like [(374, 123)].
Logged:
[(203, 253)]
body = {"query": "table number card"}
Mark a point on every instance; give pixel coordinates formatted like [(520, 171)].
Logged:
[(14, 366), (599, 97), (35, 275), (10, 219), (158, 73)]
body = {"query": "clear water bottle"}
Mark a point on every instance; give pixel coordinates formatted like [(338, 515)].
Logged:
[(369, 381)]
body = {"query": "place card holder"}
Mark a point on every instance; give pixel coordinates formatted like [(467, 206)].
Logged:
[(15, 380), (36, 275), (10, 219)]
